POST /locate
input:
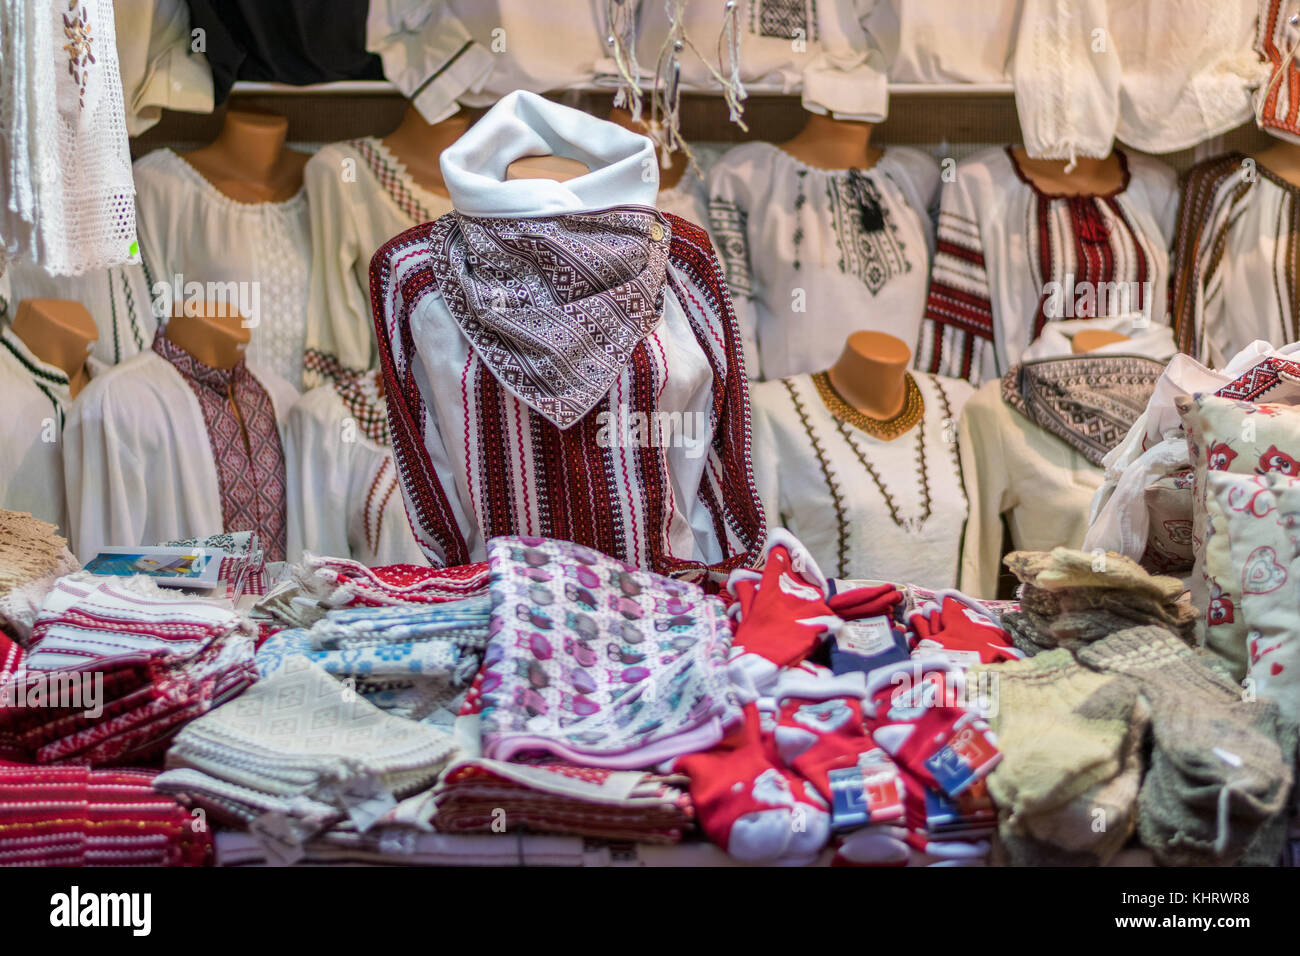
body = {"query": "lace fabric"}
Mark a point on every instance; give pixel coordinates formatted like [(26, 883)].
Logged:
[(64, 157)]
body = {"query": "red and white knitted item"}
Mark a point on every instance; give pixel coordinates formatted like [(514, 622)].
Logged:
[(821, 726), (959, 630), (341, 582), (76, 816), (782, 615)]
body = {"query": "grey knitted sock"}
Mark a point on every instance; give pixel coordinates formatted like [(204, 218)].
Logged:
[(1218, 775)]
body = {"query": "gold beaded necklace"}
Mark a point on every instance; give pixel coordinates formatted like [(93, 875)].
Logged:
[(884, 429)]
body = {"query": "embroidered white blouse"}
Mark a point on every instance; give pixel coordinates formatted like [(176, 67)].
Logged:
[(36, 398), (360, 196), (1011, 258), (138, 466), (344, 498), (254, 256), (813, 255), (866, 507)]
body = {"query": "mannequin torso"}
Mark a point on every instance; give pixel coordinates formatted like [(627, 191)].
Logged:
[(60, 332), (216, 337), (1090, 177), (248, 161), (871, 373), (418, 145), (827, 143)]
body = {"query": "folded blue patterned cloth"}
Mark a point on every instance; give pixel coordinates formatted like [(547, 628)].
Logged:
[(414, 662)]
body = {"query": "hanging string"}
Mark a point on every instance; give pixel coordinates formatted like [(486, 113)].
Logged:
[(665, 108), (620, 16)]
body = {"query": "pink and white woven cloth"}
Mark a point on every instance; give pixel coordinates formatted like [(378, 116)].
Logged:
[(76, 816), (114, 668), (342, 582)]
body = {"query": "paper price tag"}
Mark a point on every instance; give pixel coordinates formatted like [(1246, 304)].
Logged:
[(278, 836), (965, 757), (868, 637)]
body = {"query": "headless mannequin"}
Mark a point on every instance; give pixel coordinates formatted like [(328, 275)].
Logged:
[(217, 340), (1282, 158), (217, 337), (60, 333), (248, 161), (871, 373), (670, 175), (558, 168), (418, 145), (1090, 340), (828, 143), (1090, 177)]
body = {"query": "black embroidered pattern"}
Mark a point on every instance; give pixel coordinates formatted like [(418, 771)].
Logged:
[(799, 200), (786, 19), (912, 525), (865, 231), (730, 224), (837, 500)]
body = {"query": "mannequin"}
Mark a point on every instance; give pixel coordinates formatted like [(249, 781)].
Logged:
[(558, 168), (871, 373), (419, 144), (678, 163), (60, 332), (1282, 157), (1089, 340), (248, 161), (828, 143), (217, 336), (1090, 177)]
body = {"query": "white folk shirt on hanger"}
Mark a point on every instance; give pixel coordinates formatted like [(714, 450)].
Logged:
[(866, 507), (36, 399), (360, 196), (139, 467), (252, 256), (1235, 259), (1010, 258), (344, 497), (812, 255)]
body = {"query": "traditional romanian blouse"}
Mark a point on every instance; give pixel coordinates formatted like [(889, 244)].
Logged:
[(1235, 259), (1011, 257), (153, 452), (252, 255), (870, 499), (813, 255)]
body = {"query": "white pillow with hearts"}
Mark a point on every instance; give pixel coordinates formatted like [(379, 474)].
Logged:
[(1262, 515)]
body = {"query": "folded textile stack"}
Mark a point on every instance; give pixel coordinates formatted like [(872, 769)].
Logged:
[(597, 662), (76, 816), (1071, 740), (115, 667), (298, 753), (243, 568), (32, 557), (1221, 763), (1070, 598), (340, 582), (547, 795), (415, 662)]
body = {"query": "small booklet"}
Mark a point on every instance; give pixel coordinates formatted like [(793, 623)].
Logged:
[(170, 567)]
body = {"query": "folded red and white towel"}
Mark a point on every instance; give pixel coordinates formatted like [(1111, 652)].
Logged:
[(76, 816)]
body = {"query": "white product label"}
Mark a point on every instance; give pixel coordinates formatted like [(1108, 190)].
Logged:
[(867, 637)]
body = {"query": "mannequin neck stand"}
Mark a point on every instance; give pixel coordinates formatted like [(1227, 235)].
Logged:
[(871, 374), (215, 339), (248, 161), (1090, 176), (59, 332), (828, 143), (418, 144), (670, 175), (558, 168), (1282, 158), (1089, 340)]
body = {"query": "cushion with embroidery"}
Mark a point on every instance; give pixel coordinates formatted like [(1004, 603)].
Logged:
[(1238, 437), (1261, 514)]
